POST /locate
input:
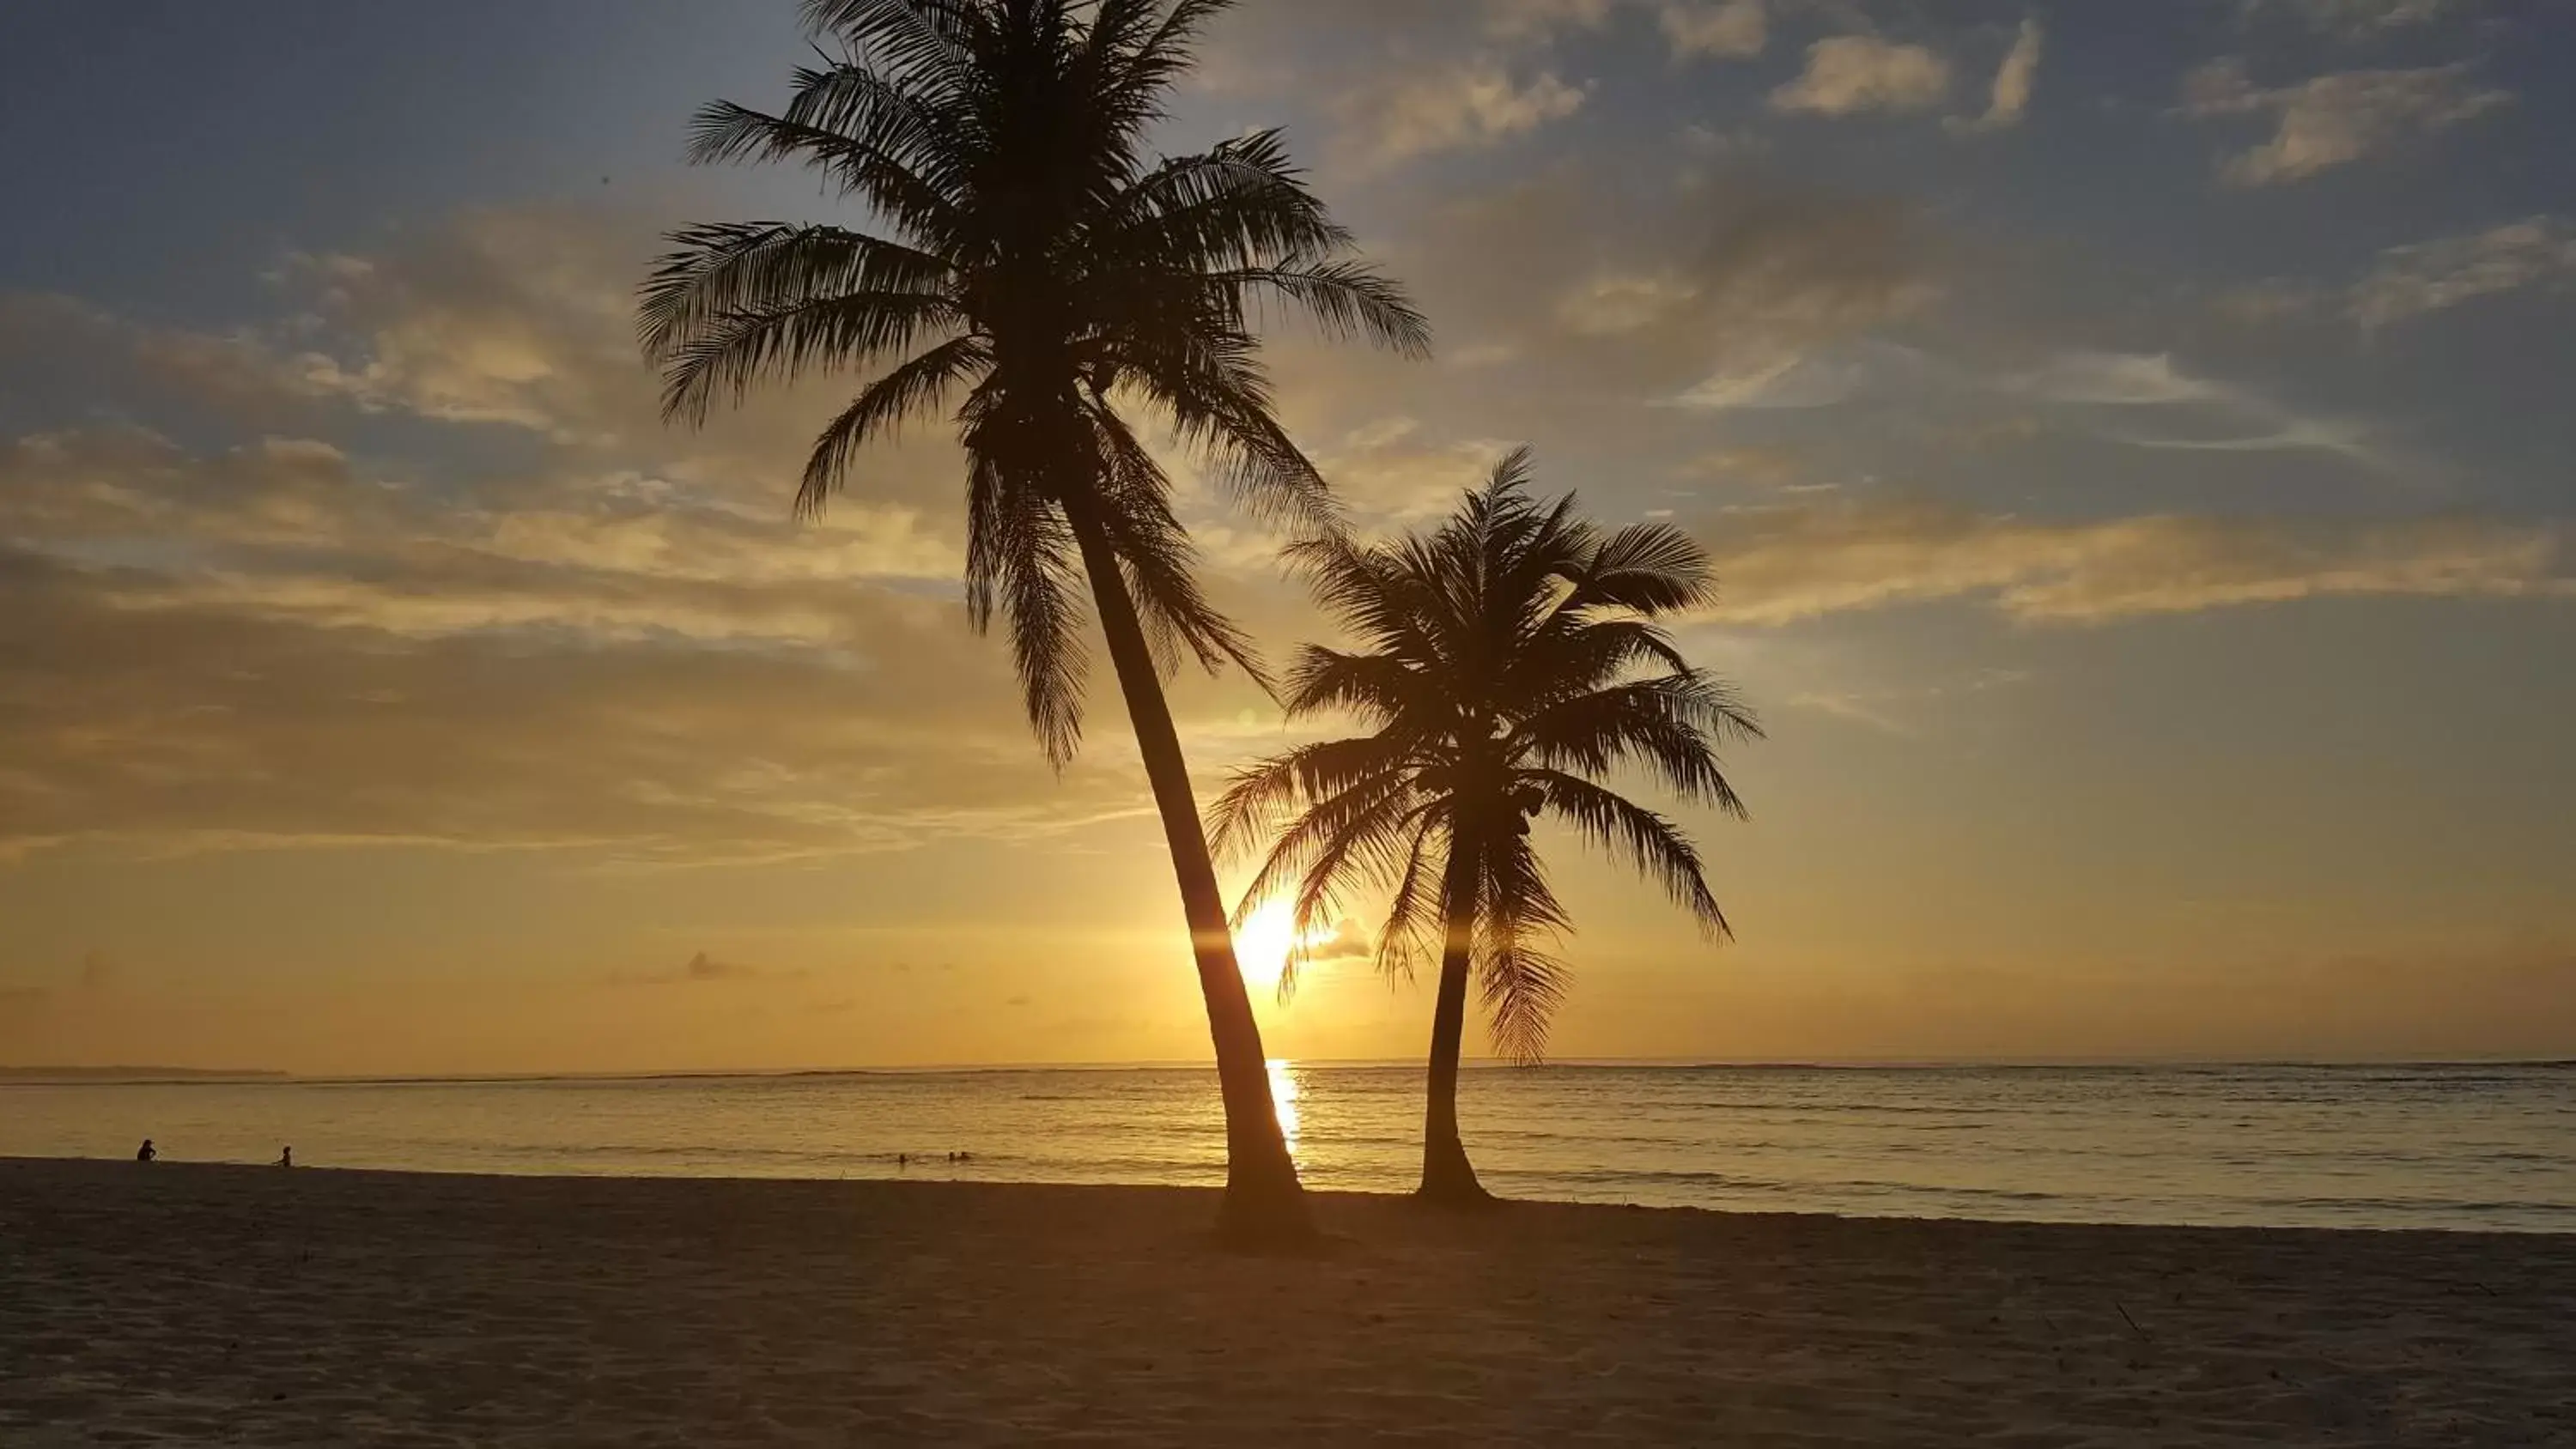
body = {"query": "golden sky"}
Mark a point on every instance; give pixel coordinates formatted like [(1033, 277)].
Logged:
[(2133, 457)]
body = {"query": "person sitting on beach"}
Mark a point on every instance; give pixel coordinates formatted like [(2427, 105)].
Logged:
[(145, 1153), (286, 1157)]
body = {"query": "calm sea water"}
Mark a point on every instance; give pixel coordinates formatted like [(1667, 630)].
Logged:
[(2416, 1146)]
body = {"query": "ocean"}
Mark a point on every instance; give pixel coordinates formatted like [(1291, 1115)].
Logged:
[(2452, 1146)]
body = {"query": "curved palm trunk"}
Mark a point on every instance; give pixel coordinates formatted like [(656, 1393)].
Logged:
[(1264, 1203), (1447, 1176)]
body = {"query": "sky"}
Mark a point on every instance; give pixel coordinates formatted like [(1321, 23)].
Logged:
[(2131, 440)]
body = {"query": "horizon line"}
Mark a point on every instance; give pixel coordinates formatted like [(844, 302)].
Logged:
[(69, 1074)]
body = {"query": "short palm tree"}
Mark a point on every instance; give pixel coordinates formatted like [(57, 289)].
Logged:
[(1508, 661), (1030, 259)]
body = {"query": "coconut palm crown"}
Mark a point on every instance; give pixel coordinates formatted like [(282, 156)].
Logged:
[(1032, 273), (1507, 662)]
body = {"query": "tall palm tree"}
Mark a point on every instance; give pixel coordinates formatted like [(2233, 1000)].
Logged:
[(1508, 660), (1029, 258)]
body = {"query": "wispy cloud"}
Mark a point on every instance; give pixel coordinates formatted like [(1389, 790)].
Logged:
[(1463, 106), (1899, 710), (2359, 19), (1850, 74), (1541, 19), (2272, 300), (2333, 120), (1614, 303), (1723, 29), (1849, 707), (1390, 476), (276, 642), (1643, 301), (2148, 383), (2419, 278), (2114, 379), (2014, 78), (1782, 564), (2410, 281), (1349, 942), (1787, 382)]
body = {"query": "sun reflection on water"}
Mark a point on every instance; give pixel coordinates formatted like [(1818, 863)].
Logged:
[(1283, 1099)]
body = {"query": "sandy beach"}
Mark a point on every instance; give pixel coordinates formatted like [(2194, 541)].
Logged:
[(194, 1304)]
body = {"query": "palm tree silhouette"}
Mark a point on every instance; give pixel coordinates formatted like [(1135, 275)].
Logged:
[(1508, 660), (1034, 258)]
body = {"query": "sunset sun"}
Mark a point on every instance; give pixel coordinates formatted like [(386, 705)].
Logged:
[(1262, 944)]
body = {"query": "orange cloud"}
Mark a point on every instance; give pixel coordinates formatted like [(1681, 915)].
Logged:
[(1780, 564)]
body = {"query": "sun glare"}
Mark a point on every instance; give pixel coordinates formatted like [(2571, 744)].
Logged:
[(1261, 946), (1283, 1099)]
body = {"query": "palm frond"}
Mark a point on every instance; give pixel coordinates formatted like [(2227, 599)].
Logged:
[(932, 43), (1387, 598), (1238, 204), (1410, 934), (1520, 980), (1348, 300), (724, 131), (1636, 836), (855, 102), (1157, 554), (1665, 724), (914, 387), (1021, 557), (716, 272), (1652, 568), (1372, 847), (1569, 656), (1377, 687), (1218, 401), (1032, 251), (1260, 794), (1356, 810), (1151, 62), (739, 349)]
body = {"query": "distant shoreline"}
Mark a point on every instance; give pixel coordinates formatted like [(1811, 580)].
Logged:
[(464, 1179), (178, 1076), (142, 1075)]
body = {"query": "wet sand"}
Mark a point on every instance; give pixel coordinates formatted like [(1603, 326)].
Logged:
[(181, 1304)]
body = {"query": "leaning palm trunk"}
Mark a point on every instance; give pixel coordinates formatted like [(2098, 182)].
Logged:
[(1447, 1176), (1263, 1201), (1032, 252)]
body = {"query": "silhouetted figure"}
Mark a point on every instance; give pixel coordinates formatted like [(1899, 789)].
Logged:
[(145, 1153), (902, 1160), (286, 1157)]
